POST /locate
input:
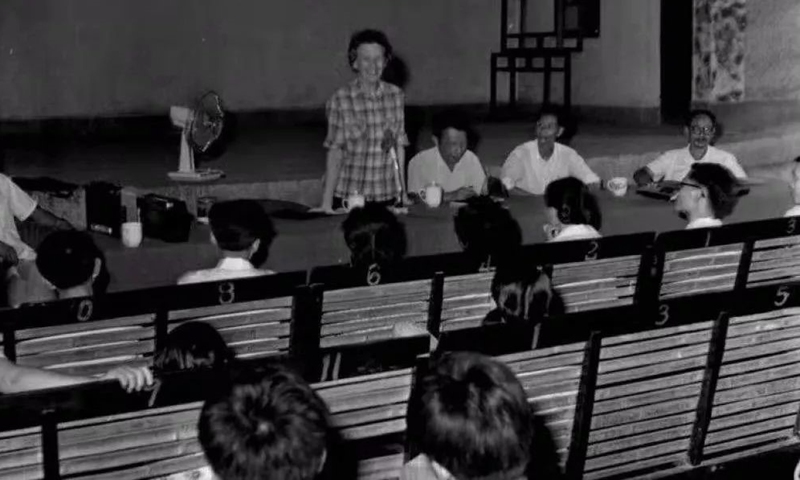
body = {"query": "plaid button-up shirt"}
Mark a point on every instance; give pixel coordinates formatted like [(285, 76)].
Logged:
[(357, 123)]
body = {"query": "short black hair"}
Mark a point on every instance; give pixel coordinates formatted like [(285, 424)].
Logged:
[(451, 118), (368, 35), (550, 110), (237, 224), (265, 424), (487, 230), (573, 202), (376, 239), (523, 294), (701, 112), (722, 187), (469, 414), (192, 345), (67, 258)]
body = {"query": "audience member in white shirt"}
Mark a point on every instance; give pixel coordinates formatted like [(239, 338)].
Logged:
[(572, 211), (243, 232), (533, 165), (708, 194), (449, 163), (794, 186), (700, 131)]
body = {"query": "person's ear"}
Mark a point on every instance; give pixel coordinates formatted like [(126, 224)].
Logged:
[(560, 132), (213, 239), (98, 266), (254, 247), (685, 130), (435, 141), (322, 461)]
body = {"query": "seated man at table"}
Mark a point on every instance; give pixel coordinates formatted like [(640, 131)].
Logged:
[(533, 165), (487, 232), (243, 232), (72, 264), (449, 163), (377, 242), (700, 130), (708, 194), (266, 425), (470, 418), (572, 211)]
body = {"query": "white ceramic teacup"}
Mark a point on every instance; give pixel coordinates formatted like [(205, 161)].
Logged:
[(132, 234), (431, 195), (618, 186), (355, 200)]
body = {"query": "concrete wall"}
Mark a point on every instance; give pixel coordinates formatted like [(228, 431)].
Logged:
[(772, 70), (100, 57), (619, 69)]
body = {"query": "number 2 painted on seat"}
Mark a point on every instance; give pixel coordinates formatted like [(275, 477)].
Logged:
[(594, 247)]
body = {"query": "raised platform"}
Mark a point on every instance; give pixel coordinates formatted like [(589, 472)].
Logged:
[(287, 163)]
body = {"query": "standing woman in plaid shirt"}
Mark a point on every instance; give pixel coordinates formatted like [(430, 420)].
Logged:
[(366, 131)]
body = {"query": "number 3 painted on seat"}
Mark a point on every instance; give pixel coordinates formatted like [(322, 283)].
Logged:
[(782, 296), (791, 226), (663, 314)]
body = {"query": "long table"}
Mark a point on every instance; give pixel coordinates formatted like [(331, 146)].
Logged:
[(302, 244)]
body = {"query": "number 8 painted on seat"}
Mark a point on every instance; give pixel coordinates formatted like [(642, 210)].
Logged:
[(782, 296), (227, 293), (663, 313)]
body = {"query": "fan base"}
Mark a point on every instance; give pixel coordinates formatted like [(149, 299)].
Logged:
[(197, 176)]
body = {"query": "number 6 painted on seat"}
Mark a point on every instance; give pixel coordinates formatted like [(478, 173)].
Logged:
[(782, 296)]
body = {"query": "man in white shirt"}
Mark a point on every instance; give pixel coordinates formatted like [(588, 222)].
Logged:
[(794, 185), (243, 233), (708, 194), (675, 164), (533, 165), (449, 163)]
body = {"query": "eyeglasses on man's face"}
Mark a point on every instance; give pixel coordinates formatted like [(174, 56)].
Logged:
[(696, 130)]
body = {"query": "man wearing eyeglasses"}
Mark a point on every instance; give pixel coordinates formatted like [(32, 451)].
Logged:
[(673, 165), (707, 195)]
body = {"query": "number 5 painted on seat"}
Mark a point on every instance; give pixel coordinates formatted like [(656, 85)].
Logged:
[(782, 296)]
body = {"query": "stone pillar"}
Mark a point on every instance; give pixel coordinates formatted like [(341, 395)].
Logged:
[(719, 51)]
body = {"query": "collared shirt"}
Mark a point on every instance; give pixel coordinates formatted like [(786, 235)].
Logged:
[(576, 232), (675, 164), (357, 122), (704, 222), (428, 167), (14, 203), (793, 212), (526, 169), (228, 268)]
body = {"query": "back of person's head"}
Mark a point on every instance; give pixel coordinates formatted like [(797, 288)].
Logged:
[(69, 259), (376, 239), (192, 345), (573, 203), (523, 294), (268, 424), (366, 36), (721, 185), (241, 225), (487, 230), (470, 415)]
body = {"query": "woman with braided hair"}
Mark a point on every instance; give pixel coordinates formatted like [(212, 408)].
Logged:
[(572, 211)]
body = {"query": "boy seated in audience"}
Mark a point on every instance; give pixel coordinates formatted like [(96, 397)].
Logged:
[(377, 242), (794, 185), (522, 294), (193, 345), (23, 282), (72, 264), (533, 165), (449, 163), (708, 194), (470, 419), (265, 425), (700, 130), (486, 231), (572, 211), (243, 232)]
